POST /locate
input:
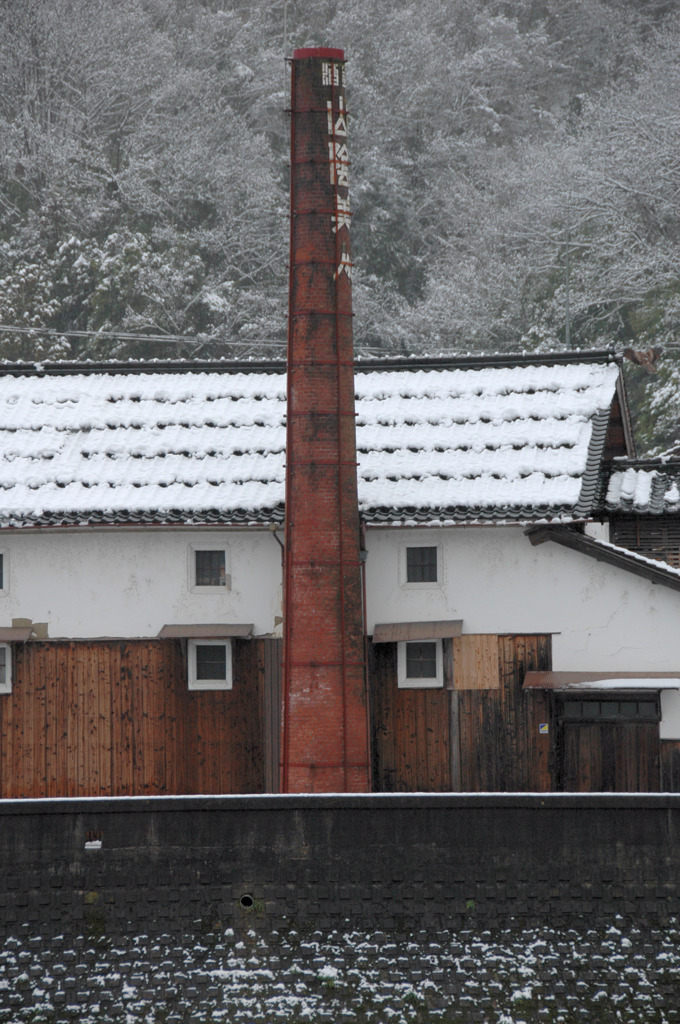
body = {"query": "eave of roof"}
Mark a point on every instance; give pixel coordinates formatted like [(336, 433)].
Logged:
[(464, 515), (144, 517), (608, 681), (647, 568)]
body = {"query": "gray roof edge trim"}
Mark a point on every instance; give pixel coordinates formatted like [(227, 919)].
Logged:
[(620, 558), (172, 517), (590, 479), (472, 514)]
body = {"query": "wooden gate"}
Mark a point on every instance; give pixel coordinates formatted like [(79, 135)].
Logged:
[(609, 746)]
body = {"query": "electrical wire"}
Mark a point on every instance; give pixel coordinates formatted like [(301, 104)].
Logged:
[(169, 339)]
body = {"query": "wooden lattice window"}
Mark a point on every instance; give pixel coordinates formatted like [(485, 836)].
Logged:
[(610, 708), (655, 537)]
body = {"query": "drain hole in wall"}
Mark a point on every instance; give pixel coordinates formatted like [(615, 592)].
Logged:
[(246, 901)]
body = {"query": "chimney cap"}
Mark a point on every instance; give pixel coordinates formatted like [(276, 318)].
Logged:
[(318, 51)]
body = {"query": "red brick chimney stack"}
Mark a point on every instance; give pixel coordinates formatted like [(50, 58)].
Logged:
[(325, 729)]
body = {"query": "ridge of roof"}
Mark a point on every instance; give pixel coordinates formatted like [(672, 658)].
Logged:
[(364, 365), (662, 463)]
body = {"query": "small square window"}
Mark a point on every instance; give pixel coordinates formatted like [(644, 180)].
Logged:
[(420, 663), (421, 565), (421, 660), (209, 569), (5, 668), (209, 663)]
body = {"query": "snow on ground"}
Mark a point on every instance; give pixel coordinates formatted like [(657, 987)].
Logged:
[(611, 974)]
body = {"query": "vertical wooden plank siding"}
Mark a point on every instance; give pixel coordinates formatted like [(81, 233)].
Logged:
[(116, 718), (610, 757), (501, 747), (410, 741), (670, 766), (122, 751), (273, 692)]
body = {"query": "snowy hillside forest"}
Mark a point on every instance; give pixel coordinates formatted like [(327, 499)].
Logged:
[(144, 177)]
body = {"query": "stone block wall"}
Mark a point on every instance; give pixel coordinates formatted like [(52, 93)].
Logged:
[(180, 865)]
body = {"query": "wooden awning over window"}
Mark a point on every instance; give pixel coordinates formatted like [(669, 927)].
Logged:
[(394, 632), (15, 634), (206, 631), (602, 681)]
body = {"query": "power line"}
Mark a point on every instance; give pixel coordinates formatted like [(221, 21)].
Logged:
[(169, 339)]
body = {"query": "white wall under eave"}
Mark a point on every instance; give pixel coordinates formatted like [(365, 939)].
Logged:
[(599, 531), (669, 727), (121, 582), (601, 617)]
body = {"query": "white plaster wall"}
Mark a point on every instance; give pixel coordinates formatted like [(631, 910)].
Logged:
[(669, 726), (130, 583), (601, 618), (599, 531)]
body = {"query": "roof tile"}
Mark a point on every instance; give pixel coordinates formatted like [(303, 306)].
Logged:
[(435, 443)]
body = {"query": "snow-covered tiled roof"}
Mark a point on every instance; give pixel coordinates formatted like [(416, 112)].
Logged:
[(644, 487), (487, 442), (435, 443)]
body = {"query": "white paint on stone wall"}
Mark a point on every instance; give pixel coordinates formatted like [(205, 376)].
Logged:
[(131, 582)]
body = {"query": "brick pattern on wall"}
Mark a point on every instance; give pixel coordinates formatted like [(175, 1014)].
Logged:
[(325, 728)]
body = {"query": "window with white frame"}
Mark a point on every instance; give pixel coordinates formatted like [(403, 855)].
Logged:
[(5, 668), (420, 663), (209, 664), (209, 569), (420, 565)]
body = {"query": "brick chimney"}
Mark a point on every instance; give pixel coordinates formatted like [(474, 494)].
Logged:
[(325, 726)]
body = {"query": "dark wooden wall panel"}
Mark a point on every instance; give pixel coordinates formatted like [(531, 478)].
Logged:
[(502, 749), (608, 757), (670, 766), (500, 746), (116, 718), (410, 730)]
